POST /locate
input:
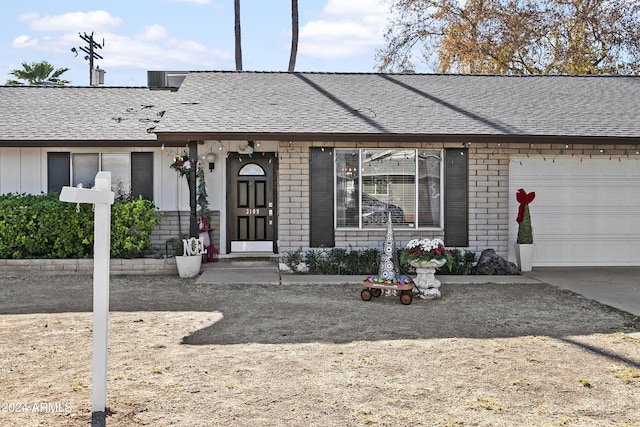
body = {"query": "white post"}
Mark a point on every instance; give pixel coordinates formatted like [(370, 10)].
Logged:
[(101, 270), (102, 197)]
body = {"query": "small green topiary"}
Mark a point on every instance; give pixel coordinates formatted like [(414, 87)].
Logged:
[(525, 231)]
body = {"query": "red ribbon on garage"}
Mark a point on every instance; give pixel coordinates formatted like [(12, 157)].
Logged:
[(524, 199)]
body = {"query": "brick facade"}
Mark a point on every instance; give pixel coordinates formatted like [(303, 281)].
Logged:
[(489, 196), (174, 223), (293, 196), (85, 266)]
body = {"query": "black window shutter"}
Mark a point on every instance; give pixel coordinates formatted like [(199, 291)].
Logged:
[(142, 175), (456, 197), (321, 198), (58, 171)]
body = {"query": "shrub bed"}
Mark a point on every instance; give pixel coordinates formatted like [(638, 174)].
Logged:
[(41, 226), (362, 262)]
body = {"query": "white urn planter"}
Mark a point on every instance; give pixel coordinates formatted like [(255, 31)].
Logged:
[(426, 284), (188, 266), (524, 255)]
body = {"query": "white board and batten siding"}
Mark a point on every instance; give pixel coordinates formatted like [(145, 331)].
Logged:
[(22, 170), (586, 212)]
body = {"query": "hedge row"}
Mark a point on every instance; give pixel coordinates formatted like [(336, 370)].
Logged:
[(41, 226)]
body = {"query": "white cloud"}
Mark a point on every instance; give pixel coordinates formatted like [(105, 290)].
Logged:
[(347, 28), (24, 42), (154, 32), (98, 21), (156, 53), (354, 7), (153, 48)]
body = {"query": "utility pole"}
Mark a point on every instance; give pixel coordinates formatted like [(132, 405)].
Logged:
[(90, 50)]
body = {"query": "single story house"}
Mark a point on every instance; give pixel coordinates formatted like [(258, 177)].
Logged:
[(319, 160)]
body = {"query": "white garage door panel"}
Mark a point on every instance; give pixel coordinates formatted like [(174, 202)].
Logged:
[(585, 212)]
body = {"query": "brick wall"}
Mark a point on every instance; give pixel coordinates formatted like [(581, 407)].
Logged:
[(174, 223), (488, 192), (293, 196), (488, 199), (293, 205), (85, 266)]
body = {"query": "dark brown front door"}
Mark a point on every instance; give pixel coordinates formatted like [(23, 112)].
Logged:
[(251, 210)]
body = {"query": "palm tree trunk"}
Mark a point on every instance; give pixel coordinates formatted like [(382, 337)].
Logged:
[(294, 35), (238, 38)]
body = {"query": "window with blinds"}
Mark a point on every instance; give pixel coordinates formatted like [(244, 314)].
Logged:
[(131, 173), (373, 184)]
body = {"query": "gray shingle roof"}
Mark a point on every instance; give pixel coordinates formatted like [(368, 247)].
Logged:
[(216, 104), (247, 105), (76, 114)]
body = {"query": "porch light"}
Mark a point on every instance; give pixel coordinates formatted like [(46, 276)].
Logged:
[(210, 158)]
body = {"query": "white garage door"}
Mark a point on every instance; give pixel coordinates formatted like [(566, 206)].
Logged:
[(585, 212)]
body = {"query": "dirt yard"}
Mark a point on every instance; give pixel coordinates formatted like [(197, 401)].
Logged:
[(183, 354)]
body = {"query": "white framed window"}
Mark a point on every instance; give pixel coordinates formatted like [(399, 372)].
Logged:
[(84, 167), (119, 164), (131, 173), (371, 184)]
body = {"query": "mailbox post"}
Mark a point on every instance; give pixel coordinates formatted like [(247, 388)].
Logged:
[(102, 198)]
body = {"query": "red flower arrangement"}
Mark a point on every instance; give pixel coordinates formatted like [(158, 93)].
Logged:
[(182, 165), (425, 250)]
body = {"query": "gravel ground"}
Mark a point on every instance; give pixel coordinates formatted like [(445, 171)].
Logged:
[(183, 354)]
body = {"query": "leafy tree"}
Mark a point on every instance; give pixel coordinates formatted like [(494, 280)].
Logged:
[(37, 73), (514, 36), (294, 35)]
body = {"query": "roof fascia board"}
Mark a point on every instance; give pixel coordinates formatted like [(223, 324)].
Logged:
[(178, 138), (79, 143)]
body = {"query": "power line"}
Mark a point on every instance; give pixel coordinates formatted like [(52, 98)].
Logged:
[(90, 50)]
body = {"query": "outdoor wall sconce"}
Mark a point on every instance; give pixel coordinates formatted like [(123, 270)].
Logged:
[(211, 159)]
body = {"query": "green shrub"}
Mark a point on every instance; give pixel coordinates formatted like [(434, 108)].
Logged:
[(292, 259), (334, 261), (315, 260), (463, 262), (44, 227), (363, 262), (131, 225)]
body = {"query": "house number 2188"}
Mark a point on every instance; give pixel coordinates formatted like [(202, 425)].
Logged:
[(252, 211)]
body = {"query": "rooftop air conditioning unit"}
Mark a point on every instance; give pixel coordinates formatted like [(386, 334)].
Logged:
[(165, 79)]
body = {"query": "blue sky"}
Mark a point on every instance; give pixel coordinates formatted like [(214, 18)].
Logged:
[(141, 35)]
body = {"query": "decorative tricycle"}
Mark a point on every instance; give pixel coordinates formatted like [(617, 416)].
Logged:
[(373, 287)]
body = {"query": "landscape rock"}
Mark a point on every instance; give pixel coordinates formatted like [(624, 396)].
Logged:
[(490, 263)]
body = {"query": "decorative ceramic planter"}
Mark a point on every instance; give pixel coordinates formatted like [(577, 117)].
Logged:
[(524, 255), (426, 283), (188, 266), (434, 263)]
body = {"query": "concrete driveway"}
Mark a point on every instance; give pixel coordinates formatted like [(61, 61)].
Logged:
[(617, 287)]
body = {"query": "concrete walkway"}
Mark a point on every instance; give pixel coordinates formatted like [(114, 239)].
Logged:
[(617, 287)]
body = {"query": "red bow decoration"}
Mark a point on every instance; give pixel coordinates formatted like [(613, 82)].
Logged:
[(524, 199)]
